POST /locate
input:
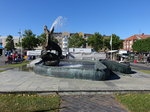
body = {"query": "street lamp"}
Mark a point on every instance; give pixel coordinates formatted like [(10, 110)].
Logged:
[(20, 38)]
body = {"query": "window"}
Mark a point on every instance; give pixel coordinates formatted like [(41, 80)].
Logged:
[(65, 44), (65, 39)]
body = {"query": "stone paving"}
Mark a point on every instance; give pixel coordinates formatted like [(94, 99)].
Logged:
[(20, 81), (90, 103), (12, 81)]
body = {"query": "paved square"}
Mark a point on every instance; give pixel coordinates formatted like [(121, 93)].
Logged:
[(12, 81)]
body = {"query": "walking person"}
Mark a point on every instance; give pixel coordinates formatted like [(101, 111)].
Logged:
[(148, 60)]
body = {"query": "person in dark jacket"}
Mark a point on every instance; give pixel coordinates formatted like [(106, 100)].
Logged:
[(148, 60)]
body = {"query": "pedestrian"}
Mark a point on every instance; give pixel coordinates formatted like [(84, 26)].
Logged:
[(9, 59), (148, 60)]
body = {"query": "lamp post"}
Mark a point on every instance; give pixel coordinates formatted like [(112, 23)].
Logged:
[(20, 38)]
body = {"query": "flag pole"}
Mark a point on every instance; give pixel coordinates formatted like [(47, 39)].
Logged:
[(111, 49), (111, 46)]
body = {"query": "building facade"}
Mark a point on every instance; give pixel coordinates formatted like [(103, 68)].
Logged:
[(3, 41), (127, 44), (63, 39)]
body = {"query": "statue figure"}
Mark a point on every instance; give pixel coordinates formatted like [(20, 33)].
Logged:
[(49, 58)]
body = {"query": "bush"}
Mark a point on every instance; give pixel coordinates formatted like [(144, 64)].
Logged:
[(114, 66)]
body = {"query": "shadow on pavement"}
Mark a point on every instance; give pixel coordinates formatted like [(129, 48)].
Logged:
[(133, 72), (113, 76)]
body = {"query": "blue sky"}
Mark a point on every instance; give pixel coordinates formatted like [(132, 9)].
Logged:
[(122, 17)]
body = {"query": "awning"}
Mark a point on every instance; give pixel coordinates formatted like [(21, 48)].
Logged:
[(1, 47)]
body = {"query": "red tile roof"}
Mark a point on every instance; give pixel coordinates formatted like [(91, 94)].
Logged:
[(135, 37)]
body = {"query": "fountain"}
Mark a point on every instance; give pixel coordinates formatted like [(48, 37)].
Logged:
[(49, 58), (52, 65)]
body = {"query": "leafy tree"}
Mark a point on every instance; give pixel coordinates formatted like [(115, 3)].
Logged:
[(29, 40), (121, 44), (96, 41), (42, 39), (76, 41), (142, 45), (19, 43), (116, 42), (147, 44), (10, 43)]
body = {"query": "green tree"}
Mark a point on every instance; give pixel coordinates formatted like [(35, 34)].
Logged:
[(147, 44), (121, 44), (42, 39), (76, 41), (96, 41), (19, 43), (29, 40), (116, 42), (142, 45), (10, 43)]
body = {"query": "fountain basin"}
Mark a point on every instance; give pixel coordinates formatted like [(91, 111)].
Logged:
[(75, 69)]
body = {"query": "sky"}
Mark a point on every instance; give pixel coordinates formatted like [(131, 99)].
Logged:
[(121, 17)]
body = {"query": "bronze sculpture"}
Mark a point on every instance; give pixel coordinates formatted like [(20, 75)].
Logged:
[(48, 57)]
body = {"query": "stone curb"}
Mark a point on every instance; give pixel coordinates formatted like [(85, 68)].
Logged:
[(78, 92)]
